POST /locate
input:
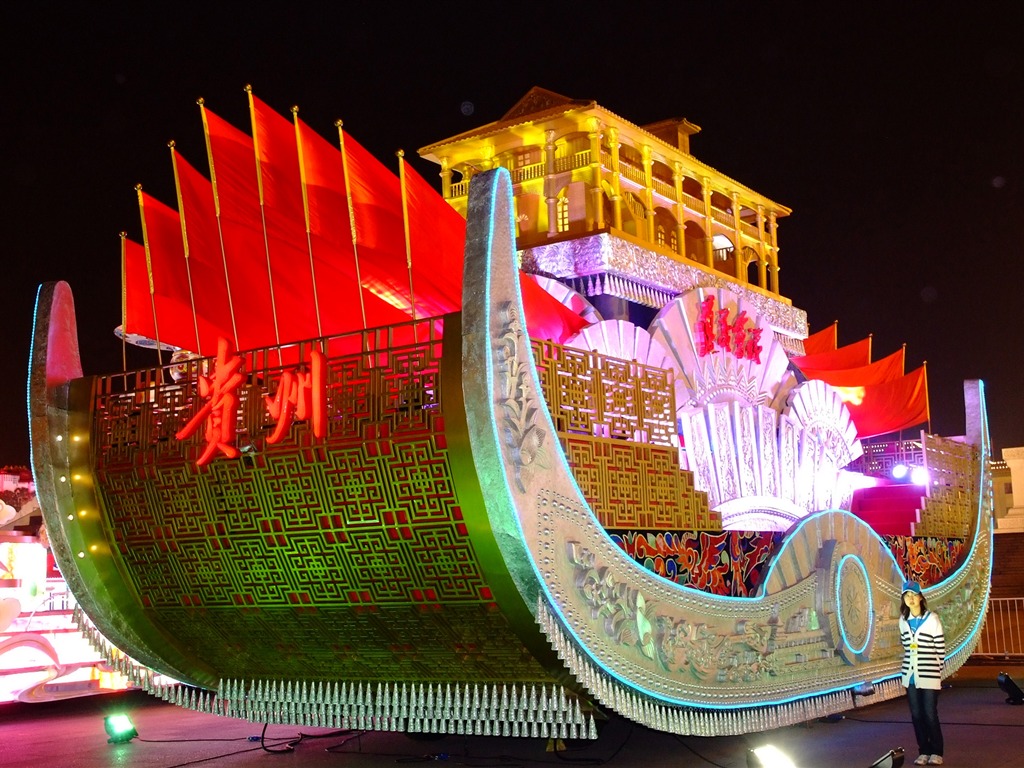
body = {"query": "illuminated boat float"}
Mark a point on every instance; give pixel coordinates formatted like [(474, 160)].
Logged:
[(422, 526)]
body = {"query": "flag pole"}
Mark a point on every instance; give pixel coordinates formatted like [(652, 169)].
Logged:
[(216, 210), (124, 307), (263, 217), (149, 275), (927, 401), (351, 217), (184, 242), (405, 225), (305, 212)]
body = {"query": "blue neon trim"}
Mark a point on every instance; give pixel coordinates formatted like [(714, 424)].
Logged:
[(871, 602)]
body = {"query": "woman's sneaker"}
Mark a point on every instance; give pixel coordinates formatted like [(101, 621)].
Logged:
[(921, 760), (935, 760)]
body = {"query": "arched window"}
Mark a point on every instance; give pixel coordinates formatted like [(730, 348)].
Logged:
[(562, 213)]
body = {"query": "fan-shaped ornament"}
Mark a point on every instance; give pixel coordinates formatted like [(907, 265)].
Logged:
[(725, 349), (624, 340)]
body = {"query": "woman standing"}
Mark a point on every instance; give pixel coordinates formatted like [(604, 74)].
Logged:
[(924, 652)]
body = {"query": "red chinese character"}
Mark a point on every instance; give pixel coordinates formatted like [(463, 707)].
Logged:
[(739, 335), (724, 329), (221, 409), (753, 346), (704, 331), (300, 396)]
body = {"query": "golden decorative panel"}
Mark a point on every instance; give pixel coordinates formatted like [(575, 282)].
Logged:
[(953, 491), (593, 394), (637, 486)]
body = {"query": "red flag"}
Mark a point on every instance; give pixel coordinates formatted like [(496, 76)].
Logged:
[(889, 368), (233, 172), (178, 319), (546, 317), (173, 324), (380, 232), (334, 256), (280, 189), (205, 260), (138, 308), (878, 409), (437, 233), (824, 340), (854, 355)]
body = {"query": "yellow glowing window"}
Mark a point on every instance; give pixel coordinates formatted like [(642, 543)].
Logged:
[(562, 213)]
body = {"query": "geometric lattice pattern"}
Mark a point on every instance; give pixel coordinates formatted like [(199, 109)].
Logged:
[(588, 393), (306, 559), (637, 486), (953, 489)]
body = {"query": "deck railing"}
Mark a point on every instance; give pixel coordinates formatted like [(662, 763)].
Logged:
[(1002, 636)]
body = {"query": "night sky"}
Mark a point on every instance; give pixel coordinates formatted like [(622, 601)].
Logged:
[(895, 132)]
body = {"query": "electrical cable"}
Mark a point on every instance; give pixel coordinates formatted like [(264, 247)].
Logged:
[(697, 754)]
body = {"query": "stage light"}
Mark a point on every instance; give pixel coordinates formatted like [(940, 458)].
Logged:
[(1014, 695), (899, 471), (768, 757), (919, 476), (119, 728), (891, 759)]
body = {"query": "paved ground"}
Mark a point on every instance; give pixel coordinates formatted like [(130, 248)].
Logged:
[(979, 727)]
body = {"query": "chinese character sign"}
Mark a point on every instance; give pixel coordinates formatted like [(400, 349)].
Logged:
[(714, 332)]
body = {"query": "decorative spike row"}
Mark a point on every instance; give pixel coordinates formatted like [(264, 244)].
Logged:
[(685, 721)]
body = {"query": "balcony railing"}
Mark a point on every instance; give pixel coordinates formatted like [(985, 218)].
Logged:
[(693, 203), (573, 161), (664, 189), (721, 217), (632, 172), (528, 172)]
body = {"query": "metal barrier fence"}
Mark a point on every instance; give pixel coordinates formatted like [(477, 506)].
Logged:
[(1002, 636)]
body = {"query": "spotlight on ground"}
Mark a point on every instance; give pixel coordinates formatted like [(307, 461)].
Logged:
[(119, 728), (891, 759), (919, 476), (1014, 695), (864, 689), (899, 471), (768, 757)]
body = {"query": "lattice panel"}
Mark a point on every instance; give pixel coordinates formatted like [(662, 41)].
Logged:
[(344, 556), (592, 394), (635, 485)]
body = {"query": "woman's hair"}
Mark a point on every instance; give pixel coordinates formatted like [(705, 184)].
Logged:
[(905, 610)]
